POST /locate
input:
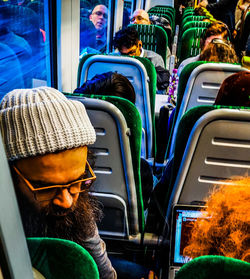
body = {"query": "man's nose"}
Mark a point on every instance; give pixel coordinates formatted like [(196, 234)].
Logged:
[(63, 198)]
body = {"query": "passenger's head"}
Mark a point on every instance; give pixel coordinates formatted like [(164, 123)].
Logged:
[(46, 137), (110, 84), (219, 51), (226, 229), (235, 90), (140, 17), (127, 42), (217, 30), (99, 17)]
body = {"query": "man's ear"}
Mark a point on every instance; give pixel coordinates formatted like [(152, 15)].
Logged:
[(90, 17), (140, 44)]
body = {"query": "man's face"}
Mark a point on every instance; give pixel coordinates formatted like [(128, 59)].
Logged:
[(99, 17), (52, 169), (140, 17), (132, 51)]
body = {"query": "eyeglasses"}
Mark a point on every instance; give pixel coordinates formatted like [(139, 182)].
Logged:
[(46, 193), (98, 13)]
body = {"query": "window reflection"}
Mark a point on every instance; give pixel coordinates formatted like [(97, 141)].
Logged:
[(22, 49), (126, 13), (93, 27)]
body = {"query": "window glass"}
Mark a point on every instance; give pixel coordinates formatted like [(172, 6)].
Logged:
[(126, 13), (23, 44), (93, 26)]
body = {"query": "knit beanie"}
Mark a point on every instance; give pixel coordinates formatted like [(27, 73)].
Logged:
[(42, 120)]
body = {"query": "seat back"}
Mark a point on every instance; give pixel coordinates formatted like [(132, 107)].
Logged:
[(117, 164), (207, 151), (217, 267), (191, 18), (200, 84), (194, 23), (142, 74), (153, 38), (61, 259), (190, 43), (167, 15)]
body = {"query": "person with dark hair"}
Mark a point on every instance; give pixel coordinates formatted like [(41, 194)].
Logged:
[(225, 228), (235, 90), (140, 16), (223, 10), (128, 43), (217, 30), (109, 83), (219, 51), (46, 138)]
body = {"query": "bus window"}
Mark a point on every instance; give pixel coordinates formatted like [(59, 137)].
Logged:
[(93, 26), (22, 32), (127, 10)]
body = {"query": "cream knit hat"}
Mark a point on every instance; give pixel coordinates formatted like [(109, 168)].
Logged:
[(42, 120)]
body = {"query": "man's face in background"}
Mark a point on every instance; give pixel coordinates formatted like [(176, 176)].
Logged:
[(99, 17)]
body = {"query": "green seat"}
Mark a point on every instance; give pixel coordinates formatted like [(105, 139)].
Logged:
[(168, 16), (61, 259), (190, 24), (216, 267), (191, 18), (153, 38), (142, 74), (202, 153), (159, 8), (188, 13), (190, 43)]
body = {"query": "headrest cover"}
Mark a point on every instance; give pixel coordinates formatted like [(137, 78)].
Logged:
[(42, 120)]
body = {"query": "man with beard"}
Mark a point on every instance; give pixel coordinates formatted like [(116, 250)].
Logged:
[(46, 138)]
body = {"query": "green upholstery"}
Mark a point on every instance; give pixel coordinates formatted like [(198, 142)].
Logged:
[(168, 9), (187, 13), (246, 61), (191, 18), (169, 17), (153, 38), (133, 120), (190, 43), (216, 267), (185, 126), (194, 23), (61, 259)]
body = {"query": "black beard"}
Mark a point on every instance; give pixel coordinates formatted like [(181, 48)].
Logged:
[(76, 224)]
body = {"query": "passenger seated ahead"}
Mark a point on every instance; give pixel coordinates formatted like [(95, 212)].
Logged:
[(128, 43), (235, 90), (114, 84), (219, 51), (217, 30), (226, 230)]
